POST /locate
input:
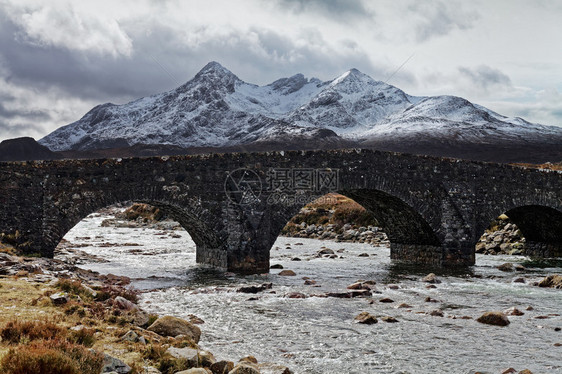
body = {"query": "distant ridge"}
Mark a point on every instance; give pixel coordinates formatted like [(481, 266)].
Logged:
[(216, 109), (25, 149)]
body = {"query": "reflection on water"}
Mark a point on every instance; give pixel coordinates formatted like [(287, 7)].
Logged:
[(316, 334)]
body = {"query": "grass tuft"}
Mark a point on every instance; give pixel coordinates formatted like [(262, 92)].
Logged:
[(16, 331)]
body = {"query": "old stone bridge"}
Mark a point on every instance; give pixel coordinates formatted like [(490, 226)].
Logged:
[(235, 205)]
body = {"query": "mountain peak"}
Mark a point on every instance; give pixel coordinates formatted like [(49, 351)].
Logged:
[(352, 75), (216, 75), (214, 67)]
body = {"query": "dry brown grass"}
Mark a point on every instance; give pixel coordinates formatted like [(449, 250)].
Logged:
[(331, 209), (16, 331), (7, 248), (51, 357), (24, 301), (548, 166)]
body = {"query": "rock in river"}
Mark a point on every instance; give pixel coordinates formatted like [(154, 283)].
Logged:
[(494, 318), (255, 289), (365, 318), (431, 278), (173, 326), (552, 281), (289, 273)]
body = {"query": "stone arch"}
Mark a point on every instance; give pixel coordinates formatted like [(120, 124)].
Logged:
[(540, 224), (410, 234), (400, 221), (202, 235)]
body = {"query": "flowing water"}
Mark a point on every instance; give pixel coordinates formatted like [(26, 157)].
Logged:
[(317, 334)]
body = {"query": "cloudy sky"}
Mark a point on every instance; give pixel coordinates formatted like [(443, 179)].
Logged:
[(59, 58)]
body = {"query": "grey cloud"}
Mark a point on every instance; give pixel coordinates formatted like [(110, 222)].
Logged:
[(161, 61), (440, 18), (485, 77), (16, 130), (342, 10), (8, 114)]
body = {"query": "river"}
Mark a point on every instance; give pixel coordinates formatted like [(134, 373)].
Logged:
[(317, 334)]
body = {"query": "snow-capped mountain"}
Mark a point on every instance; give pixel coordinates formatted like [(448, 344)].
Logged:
[(217, 109)]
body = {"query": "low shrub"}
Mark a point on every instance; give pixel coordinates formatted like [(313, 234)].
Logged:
[(51, 357), (24, 359), (73, 287), (84, 336), (15, 331), (109, 292), (151, 319), (154, 352), (74, 308)]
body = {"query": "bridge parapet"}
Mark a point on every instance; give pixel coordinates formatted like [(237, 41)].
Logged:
[(433, 210)]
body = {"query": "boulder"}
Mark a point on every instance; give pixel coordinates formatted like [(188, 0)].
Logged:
[(112, 364), (59, 298), (245, 368), (431, 278), (286, 273), (386, 300), (325, 251), (276, 266), (359, 285), (494, 318), (206, 358), (481, 247), (191, 355), (404, 305), (222, 367), (255, 289), (436, 313), (551, 281), (250, 359), (295, 295), (389, 319), (193, 371), (365, 318), (508, 266), (133, 337), (140, 317), (513, 312), (359, 293), (269, 368), (124, 304), (173, 326)]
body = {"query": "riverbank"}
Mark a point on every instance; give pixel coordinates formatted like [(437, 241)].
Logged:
[(58, 318)]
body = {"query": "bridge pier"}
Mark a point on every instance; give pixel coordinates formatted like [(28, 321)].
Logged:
[(431, 255), (542, 249), (212, 256)]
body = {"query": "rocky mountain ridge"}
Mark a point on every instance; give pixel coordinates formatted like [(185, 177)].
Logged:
[(216, 109)]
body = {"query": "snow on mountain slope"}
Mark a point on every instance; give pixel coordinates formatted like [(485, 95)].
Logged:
[(217, 109)]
